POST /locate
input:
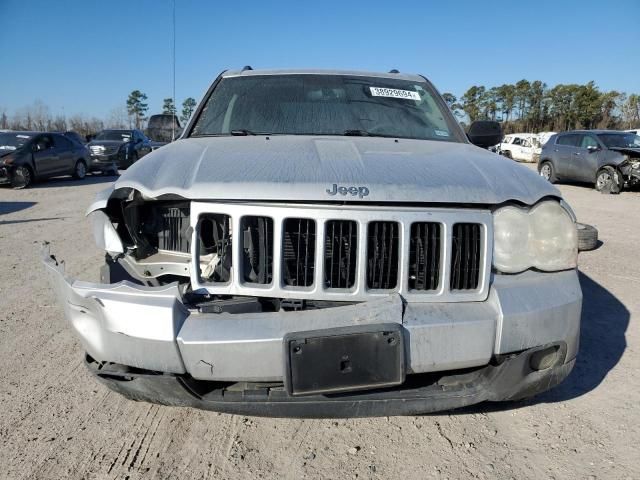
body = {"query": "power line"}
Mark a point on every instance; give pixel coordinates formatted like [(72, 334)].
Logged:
[(173, 59)]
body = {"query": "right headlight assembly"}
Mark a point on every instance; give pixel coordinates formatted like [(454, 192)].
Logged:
[(542, 237)]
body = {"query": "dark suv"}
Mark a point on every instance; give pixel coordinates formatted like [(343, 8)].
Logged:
[(610, 159), (113, 149)]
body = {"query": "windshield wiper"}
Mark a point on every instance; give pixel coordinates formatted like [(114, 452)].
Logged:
[(364, 133), (241, 132)]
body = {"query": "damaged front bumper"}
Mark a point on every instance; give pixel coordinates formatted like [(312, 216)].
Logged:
[(146, 343)]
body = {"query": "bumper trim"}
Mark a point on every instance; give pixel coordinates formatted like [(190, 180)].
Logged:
[(512, 379)]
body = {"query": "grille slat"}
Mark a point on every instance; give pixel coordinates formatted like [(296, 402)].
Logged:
[(424, 256), (465, 261), (257, 246), (383, 243), (341, 247), (298, 252)]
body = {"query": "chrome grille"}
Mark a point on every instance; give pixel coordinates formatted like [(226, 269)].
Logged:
[(348, 253), (103, 150)]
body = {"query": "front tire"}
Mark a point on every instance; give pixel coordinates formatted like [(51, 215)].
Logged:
[(507, 154), (609, 180), (547, 172), (21, 178), (80, 170)]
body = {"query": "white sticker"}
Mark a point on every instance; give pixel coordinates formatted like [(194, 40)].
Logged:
[(441, 133), (394, 93)]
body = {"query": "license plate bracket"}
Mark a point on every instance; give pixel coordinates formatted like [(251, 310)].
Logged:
[(344, 359)]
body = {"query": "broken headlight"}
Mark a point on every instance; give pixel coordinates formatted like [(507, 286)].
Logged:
[(542, 237), (104, 232)]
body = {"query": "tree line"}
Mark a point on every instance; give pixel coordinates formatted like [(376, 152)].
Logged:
[(521, 107), (133, 114), (534, 107)]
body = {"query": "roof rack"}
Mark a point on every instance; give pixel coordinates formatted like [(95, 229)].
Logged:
[(394, 71), (246, 67)]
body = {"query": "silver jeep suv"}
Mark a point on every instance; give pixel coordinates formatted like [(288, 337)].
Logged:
[(327, 243)]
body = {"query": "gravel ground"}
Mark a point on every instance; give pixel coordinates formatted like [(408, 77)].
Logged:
[(57, 422)]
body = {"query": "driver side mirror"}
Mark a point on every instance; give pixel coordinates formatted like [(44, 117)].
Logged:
[(484, 133), (593, 148)]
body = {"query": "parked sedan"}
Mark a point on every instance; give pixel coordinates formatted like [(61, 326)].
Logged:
[(113, 149), (610, 159), (29, 156)]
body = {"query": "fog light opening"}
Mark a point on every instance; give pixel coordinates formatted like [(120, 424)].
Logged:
[(545, 358)]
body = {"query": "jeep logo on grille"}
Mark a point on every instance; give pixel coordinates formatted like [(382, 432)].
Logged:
[(344, 191)]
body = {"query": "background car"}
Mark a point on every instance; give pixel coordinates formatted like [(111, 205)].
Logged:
[(608, 158), (113, 149), (524, 147), (163, 128), (29, 156)]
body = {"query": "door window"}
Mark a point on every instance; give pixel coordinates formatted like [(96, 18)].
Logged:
[(588, 141), (43, 143), (517, 141), (571, 140), (63, 143)]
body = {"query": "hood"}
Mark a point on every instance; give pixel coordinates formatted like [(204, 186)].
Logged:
[(6, 151), (633, 151), (306, 168)]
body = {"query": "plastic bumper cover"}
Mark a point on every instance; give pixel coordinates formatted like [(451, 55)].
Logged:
[(150, 328)]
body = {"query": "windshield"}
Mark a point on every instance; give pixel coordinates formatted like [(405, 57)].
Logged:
[(620, 140), (119, 135), (325, 105), (12, 141)]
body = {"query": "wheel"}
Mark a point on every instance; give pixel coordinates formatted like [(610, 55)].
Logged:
[(506, 154), (587, 237), (609, 180), (21, 178), (80, 170), (547, 172)]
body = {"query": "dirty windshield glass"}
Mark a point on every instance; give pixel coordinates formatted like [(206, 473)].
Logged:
[(325, 105), (620, 140), (12, 141), (119, 135)]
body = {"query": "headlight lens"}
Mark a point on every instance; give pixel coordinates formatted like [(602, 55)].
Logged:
[(543, 237)]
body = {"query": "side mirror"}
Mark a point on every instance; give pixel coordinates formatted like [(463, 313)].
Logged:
[(593, 148), (484, 133)]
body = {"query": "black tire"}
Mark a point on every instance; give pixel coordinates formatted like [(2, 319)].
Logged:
[(21, 177), (506, 154), (547, 171), (609, 180), (80, 170), (587, 237)]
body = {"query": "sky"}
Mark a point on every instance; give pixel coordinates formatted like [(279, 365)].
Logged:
[(87, 56)]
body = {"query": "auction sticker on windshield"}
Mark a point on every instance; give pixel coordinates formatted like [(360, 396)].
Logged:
[(394, 93)]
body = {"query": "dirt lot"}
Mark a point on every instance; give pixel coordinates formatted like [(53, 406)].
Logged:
[(57, 422)]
